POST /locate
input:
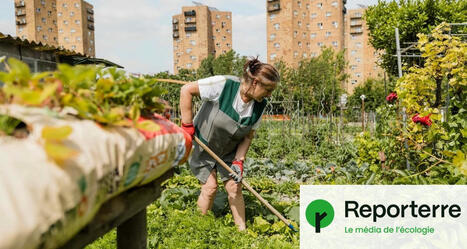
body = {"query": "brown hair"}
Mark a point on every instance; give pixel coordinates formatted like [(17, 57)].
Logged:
[(255, 69)]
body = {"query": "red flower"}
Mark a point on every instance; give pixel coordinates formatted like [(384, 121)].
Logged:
[(391, 97), (422, 120)]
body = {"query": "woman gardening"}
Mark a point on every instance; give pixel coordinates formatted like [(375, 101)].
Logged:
[(226, 122)]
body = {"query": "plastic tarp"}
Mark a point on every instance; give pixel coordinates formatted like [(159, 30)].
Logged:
[(44, 204)]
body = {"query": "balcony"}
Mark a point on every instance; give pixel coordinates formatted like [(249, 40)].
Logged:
[(274, 7), (21, 13), (355, 23), (344, 10), (90, 11), (174, 21), (175, 27), (90, 26), (356, 16), (20, 4), (190, 28), (190, 20), (21, 22), (356, 31), (176, 35), (270, 1), (344, 1), (90, 18), (190, 13)]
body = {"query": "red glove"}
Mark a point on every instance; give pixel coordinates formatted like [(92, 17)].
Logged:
[(237, 167), (189, 129)]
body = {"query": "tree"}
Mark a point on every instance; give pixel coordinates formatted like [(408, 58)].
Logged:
[(229, 63), (374, 92), (411, 17)]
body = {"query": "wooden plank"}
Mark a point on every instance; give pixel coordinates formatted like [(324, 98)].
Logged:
[(118, 210), (132, 233)]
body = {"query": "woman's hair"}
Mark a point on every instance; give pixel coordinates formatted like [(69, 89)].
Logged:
[(255, 69)]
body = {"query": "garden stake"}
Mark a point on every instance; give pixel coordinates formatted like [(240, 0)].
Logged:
[(247, 186)]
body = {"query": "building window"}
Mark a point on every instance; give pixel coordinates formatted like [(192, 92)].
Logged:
[(49, 13), (358, 14), (305, 55), (78, 38), (354, 82), (299, 4), (272, 37), (328, 14), (358, 75), (189, 65), (313, 35), (59, 14), (300, 24), (92, 42), (223, 24), (39, 28), (65, 5), (335, 24), (193, 42), (334, 4), (72, 13), (228, 16), (218, 45), (314, 15), (60, 31), (44, 20), (299, 44), (272, 16), (358, 60), (188, 35), (307, 6), (353, 37), (277, 26), (334, 43), (273, 56), (77, 21), (54, 22), (295, 54), (38, 10), (353, 67), (188, 50), (20, 30), (228, 30), (73, 47), (193, 57), (295, 13), (43, 2), (228, 45), (328, 34), (314, 54), (358, 44), (277, 45), (73, 31), (224, 38), (295, 33), (77, 5), (45, 37), (213, 37), (319, 5), (51, 30), (218, 16), (217, 30), (65, 22), (308, 26), (353, 52), (67, 39), (320, 25), (320, 44), (304, 35)]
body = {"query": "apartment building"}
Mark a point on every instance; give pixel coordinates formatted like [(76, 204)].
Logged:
[(62, 23), (362, 57), (299, 29), (200, 31)]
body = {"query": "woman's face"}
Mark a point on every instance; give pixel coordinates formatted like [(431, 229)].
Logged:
[(262, 90)]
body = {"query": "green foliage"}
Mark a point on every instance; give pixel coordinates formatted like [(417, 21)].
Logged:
[(315, 84), (374, 90), (411, 17), (106, 95), (229, 63)]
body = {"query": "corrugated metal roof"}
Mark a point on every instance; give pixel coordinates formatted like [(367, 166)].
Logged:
[(69, 56)]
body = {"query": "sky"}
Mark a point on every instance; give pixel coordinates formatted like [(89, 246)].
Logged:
[(137, 34)]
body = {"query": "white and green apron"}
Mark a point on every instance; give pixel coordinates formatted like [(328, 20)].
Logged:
[(220, 127)]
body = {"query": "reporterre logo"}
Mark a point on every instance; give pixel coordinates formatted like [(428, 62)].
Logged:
[(319, 213)]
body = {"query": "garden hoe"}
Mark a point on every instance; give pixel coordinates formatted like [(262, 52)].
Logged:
[(247, 186)]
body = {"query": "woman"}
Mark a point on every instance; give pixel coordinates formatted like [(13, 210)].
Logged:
[(226, 123)]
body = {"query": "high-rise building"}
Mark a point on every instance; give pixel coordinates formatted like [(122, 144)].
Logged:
[(299, 29), (362, 57), (64, 23), (200, 31)]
